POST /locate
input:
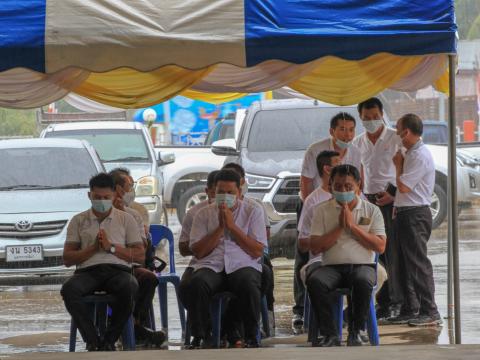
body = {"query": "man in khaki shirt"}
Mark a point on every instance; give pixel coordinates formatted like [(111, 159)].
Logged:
[(346, 232), (102, 242)]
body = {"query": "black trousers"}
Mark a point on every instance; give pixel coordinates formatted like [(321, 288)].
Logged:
[(114, 280), (391, 292), (268, 282), (243, 312), (147, 283), (301, 259), (184, 286), (413, 228), (322, 281)]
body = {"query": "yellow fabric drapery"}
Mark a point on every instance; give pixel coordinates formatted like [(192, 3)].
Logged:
[(333, 80)]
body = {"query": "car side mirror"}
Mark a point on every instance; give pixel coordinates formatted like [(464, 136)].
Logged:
[(165, 158), (225, 147)]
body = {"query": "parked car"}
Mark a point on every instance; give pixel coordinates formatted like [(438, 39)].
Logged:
[(43, 184), (128, 145), (271, 146)]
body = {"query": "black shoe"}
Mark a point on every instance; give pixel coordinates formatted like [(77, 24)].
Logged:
[(402, 319), (354, 339), (252, 344), (382, 313), (196, 343), (107, 346), (297, 324), (147, 336), (329, 341), (91, 347), (426, 320)]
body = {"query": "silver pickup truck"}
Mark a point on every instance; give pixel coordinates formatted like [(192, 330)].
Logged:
[(271, 145), (128, 145)]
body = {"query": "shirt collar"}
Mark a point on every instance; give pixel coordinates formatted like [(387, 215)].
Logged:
[(416, 146)]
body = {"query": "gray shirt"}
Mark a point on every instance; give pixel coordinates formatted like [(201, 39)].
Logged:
[(120, 227)]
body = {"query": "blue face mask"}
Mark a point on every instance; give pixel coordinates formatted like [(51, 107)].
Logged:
[(344, 197), (101, 206), (342, 144), (227, 199), (372, 126)]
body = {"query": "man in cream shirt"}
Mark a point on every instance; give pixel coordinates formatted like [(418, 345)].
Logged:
[(346, 232)]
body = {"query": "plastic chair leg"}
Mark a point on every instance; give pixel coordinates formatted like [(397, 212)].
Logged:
[(128, 335), (216, 315), (338, 315), (162, 296), (265, 322), (181, 310), (73, 336), (306, 312), (372, 324)]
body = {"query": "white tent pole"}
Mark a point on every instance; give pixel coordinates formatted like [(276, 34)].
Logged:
[(452, 197)]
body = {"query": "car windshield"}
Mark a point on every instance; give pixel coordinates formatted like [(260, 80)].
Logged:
[(37, 168), (292, 129), (435, 134), (227, 131), (122, 145)]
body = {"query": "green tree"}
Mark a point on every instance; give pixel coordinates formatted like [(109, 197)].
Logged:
[(17, 122)]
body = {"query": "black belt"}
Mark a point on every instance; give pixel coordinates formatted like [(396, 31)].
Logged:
[(407, 208)]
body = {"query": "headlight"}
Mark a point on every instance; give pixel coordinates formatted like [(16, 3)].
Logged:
[(147, 186), (259, 182)]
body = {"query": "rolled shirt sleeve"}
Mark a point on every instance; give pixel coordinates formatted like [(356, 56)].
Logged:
[(305, 223), (377, 226), (132, 234), (413, 171), (73, 231), (309, 168), (186, 228), (199, 226), (256, 229)]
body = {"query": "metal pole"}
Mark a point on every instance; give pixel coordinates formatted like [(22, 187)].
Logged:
[(452, 179)]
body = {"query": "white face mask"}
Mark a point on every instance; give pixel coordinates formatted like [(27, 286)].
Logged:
[(372, 126), (128, 198), (244, 188), (227, 199)]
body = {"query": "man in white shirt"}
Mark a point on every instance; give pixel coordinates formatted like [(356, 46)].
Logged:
[(184, 241), (102, 242), (342, 132), (228, 239), (415, 175), (346, 233), (377, 147)]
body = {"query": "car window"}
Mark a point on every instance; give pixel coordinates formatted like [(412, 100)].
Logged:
[(50, 167), (292, 129), (435, 134), (121, 145)]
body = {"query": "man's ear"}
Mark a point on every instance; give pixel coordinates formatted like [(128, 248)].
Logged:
[(331, 132), (90, 195)]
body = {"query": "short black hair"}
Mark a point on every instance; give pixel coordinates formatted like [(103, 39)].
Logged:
[(228, 175), (235, 167), (101, 181), (325, 158), (122, 170), (211, 178), (370, 104), (119, 177), (341, 116), (413, 123), (345, 170)]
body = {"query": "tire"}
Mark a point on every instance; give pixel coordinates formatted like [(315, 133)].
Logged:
[(189, 198), (438, 206)]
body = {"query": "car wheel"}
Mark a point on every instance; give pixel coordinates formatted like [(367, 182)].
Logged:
[(438, 207), (196, 194)]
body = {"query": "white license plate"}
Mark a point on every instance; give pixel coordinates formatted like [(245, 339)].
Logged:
[(24, 253)]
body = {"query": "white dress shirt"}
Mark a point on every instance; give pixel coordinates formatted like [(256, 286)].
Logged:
[(228, 255), (418, 175), (378, 167), (187, 226), (309, 166)]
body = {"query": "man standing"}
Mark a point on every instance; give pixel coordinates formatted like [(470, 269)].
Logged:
[(342, 132), (227, 239), (415, 175), (377, 147), (102, 242), (346, 232)]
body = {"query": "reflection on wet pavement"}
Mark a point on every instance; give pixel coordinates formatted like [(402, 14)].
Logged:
[(33, 317)]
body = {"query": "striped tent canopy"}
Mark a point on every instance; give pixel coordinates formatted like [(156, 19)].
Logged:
[(133, 54)]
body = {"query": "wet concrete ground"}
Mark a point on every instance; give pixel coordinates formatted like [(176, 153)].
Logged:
[(33, 318)]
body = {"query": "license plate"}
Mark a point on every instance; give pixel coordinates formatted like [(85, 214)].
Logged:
[(24, 253)]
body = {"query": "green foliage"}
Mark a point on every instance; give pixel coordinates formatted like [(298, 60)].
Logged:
[(17, 123), (468, 18)]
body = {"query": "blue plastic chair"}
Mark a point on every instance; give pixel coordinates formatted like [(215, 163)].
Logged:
[(158, 233), (312, 327), (100, 309)]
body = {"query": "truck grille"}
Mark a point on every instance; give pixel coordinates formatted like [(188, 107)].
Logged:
[(50, 261), (286, 199), (40, 229)]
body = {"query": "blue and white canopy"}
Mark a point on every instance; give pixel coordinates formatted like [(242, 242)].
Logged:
[(216, 45)]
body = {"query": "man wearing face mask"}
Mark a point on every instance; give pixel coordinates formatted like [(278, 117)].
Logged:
[(415, 173), (228, 239), (346, 233), (342, 132), (184, 241), (102, 242), (377, 147), (147, 279)]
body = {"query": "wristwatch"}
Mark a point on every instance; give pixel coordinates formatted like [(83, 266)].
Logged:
[(112, 249)]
